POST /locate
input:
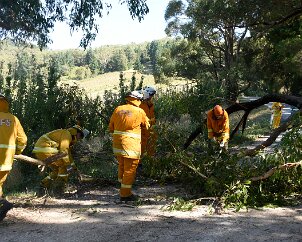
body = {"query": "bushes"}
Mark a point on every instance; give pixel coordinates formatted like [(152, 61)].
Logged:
[(43, 104)]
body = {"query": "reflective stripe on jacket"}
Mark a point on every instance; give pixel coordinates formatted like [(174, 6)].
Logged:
[(54, 142), (126, 124), (218, 127), (12, 139)]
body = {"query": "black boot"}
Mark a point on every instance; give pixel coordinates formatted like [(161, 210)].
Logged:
[(5, 206)]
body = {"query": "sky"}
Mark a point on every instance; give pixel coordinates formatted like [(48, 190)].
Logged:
[(117, 28)]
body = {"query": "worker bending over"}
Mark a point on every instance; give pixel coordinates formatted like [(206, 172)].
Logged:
[(54, 142), (218, 126)]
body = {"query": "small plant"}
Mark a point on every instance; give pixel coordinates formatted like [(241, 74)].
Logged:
[(236, 195), (179, 204)]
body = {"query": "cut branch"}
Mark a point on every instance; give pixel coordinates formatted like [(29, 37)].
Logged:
[(194, 169), (274, 135), (29, 160), (37, 162), (274, 169)]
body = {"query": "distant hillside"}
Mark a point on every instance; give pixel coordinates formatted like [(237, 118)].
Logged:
[(96, 86), (110, 81)]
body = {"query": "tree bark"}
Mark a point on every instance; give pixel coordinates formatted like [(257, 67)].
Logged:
[(247, 107), (37, 162), (274, 169)]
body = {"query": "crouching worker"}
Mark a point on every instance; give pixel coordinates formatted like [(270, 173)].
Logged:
[(12, 141), (218, 126), (54, 142), (126, 124)]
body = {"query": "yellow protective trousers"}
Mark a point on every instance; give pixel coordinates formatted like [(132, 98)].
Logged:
[(149, 139), (126, 174), (276, 121), (3, 176), (58, 171)]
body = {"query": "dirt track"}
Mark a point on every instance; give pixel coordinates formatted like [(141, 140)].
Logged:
[(95, 215)]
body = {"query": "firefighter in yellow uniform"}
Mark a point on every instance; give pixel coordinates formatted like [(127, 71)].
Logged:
[(12, 141), (218, 126), (277, 114), (54, 142), (149, 136), (126, 124)]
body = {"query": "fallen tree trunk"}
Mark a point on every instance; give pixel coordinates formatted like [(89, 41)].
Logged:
[(274, 135), (37, 162), (29, 160), (274, 169)]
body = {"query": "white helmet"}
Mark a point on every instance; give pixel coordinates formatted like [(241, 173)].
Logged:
[(135, 94), (2, 96), (148, 92), (85, 133)]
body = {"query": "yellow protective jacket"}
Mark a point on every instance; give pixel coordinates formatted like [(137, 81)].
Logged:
[(218, 127), (277, 108), (126, 124), (54, 142), (12, 137), (148, 107)]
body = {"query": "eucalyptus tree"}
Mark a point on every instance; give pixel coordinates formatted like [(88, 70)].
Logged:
[(216, 27), (33, 20)]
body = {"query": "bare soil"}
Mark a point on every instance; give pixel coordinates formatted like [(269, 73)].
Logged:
[(94, 213)]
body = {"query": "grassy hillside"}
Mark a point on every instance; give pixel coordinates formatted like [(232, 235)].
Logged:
[(96, 86), (110, 81)]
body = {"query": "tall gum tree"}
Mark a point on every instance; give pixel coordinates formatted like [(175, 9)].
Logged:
[(214, 26), (220, 26)]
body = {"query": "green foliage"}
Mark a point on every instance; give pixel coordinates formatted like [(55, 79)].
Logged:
[(80, 73), (118, 62), (236, 195), (179, 204), (33, 20)]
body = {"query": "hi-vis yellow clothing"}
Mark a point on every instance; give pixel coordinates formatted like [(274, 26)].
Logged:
[(49, 144), (277, 114), (54, 142), (126, 124), (149, 136), (218, 128), (12, 140)]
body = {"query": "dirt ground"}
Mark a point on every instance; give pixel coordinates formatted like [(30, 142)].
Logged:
[(95, 214)]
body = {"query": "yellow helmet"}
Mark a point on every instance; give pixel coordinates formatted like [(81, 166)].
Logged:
[(76, 129)]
